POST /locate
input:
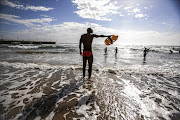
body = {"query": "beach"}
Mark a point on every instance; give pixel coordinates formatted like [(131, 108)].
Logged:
[(44, 82)]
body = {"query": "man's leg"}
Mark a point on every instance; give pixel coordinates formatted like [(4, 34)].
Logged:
[(90, 61), (84, 66)]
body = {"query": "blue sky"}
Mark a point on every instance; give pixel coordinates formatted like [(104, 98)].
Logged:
[(142, 22)]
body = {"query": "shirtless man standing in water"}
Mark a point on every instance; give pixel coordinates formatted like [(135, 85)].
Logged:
[(86, 40)]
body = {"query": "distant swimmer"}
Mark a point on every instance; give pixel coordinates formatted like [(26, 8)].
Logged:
[(116, 50), (86, 40), (175, 49), (145, 52), (170, 51)]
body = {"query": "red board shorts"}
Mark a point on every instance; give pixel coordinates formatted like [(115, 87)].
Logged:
[(87, 53)]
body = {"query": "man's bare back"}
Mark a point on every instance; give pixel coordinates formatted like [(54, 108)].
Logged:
[(86, 40)]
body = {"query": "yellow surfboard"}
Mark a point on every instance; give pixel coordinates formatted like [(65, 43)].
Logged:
[(111, 40)]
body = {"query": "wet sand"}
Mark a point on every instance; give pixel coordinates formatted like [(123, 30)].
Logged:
[(47, 94), (55, 93)]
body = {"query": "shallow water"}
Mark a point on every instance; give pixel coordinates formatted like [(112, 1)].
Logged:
[(44, 82)]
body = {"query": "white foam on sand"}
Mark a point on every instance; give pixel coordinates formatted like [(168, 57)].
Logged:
[(138, 98), (166, 69), (13, 88), (82, 110), (18, 78), (50, 116), (132, 92), (114, 87), (152, 97), (169, 70), (162, 97)]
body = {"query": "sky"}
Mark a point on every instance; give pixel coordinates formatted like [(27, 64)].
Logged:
[(136, 22)]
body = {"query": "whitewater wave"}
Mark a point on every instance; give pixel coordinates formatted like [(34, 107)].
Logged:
[(31, 46), (172, 70)]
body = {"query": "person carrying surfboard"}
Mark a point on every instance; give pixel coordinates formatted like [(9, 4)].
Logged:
[(86, 40)]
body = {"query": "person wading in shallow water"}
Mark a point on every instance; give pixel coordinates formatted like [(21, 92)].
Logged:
[(86, 40), (116, 51), (145, 53)]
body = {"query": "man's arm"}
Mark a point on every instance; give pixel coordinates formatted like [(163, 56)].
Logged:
[(94, 35), (109, 36), (80, 42)]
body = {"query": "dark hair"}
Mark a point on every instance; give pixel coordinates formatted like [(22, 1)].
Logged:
[(89, 30)]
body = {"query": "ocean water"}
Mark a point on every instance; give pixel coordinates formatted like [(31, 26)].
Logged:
[(123, 86)]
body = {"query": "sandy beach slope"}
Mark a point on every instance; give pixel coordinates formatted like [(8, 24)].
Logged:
[(47, 92)]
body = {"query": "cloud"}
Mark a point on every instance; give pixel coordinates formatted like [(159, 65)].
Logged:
[(104, 9), (128, 7), (149, 38), (96, 9), (10, 4), (136, 10), (39, 8), (168, 24), (7, 23), (26, 22), (67, 32), (133, 12), (120, 14), (140, 15), (70, 32), (44, 15), (145, 7), (33, 8)]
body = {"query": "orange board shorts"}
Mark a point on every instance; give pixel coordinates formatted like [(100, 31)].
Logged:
[(87, 53)]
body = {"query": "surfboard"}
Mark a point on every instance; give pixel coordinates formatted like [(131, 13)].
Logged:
[(111, 40)]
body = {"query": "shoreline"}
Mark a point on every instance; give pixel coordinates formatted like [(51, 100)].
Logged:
[(16, 42), (31, 93)]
